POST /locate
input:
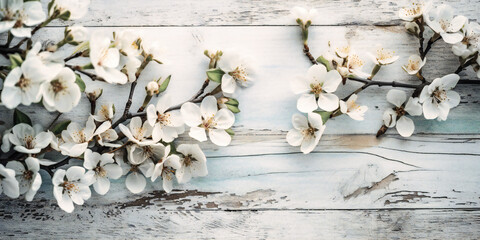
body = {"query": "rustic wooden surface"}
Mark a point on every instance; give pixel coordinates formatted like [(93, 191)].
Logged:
[(352, 186)]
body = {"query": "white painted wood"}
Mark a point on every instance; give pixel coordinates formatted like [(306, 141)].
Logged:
[(246, 12)]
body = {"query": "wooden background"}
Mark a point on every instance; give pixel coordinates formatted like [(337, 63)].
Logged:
[(352, 186)]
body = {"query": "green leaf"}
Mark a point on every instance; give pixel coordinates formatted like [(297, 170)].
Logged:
[(215, 75), (16, 60), (59, 127), (232, 108), (20, 117), (324, 62), (230, 131), (164, 85), (325, 115), (65, 16), (50, 5), (79, 81), (232, 101)]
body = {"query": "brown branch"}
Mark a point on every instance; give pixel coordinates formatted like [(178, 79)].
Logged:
[(306, 50)]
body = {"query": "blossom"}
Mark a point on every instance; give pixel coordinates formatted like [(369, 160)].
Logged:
[(105, 113), (208, 118), (164, 167), (354, 66), (352, 109), (22, 84), (75, 138), (154, 50), (61, 93), (29, 179), (438, 97), (306, 133), (304, 15), (317, 84), (404, 124), (383, 56), (414, 10), (107, 138), (166, 125), (76, 8), (137, 166), (238, 70), (128, 42), (193, 163), (442, 21), (415, 63), (14, 14), (470, 43), (101, 168), (138, 132), (8, 182), (78, 33), (29, 139), (6, 144), (138, 154), (106, 59), (70, 187)]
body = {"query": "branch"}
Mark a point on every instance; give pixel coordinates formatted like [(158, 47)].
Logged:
[(90, 75), (306, 50), (126, 112)]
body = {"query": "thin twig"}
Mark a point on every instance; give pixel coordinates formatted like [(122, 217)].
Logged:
[(78, 54), (90, 75), (54, 120), (306, 50)]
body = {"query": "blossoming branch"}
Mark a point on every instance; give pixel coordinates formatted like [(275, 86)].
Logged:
[(140, 144), (340, 64)]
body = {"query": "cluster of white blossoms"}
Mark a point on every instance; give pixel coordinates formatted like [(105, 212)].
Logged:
[(320, 88), (141, 145)]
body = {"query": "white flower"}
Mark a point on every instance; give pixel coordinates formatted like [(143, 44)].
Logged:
[(78, 33), (353, 67), (105, 59), (105, 113), (14, 14), (138, 165), (306, 133), (193, 163), (101, 168), (383, 56), (238, 70), (166, 125), (414, 10), (470, 43), (70, 187), (155, 50), (341, 48), (8, 182), (6, 144), (438, 97), (131, 67), (318, 83), (77, 8), (29, 179), (29, 139), (207, 117), (61, 93), (164, 167), (75, 138), (442, 21), (128, 42), (405, 125), (22, 84), (352, 109), (138, 132), (138, 154), (304, 15), (415, 63), (106, 138)]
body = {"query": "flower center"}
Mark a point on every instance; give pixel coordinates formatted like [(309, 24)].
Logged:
[(400, 111), (100, 171), (416, 9), (188, 160), (383, 54), (69, 187), (354, 62), (445, 24), (413, 65), (28, 175), (439, 95), (208, 123), (316, 88), (309, 132), (139, 132), (344, 49), (104, 111), (29, 141), (239, 74), (164, 119), (23, 83), (56, 86), (80, 136)]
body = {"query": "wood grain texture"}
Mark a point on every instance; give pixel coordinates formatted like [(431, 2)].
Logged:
[(352, 186), (249, 12)]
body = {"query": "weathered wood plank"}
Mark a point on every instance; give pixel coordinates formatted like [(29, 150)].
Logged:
[(246, 12), (298, 224), (269, 103)]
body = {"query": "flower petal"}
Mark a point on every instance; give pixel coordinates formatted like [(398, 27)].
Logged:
[(220, 137), (405, 126), (328, 101), (307, 103)]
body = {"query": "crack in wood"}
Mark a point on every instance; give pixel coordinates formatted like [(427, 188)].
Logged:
[(382, 184)]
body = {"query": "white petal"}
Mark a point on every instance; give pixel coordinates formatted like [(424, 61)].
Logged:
[(75, 173), (114, 171), (405, 126), (308, 145), (208, 107), (102, 185), (299, 85), (430, 110), (389, 118), (453, 99), (299, 121), (220, 137), (396, 97), (224, 119), (452, 38), (191, 114), (413, 107), (135, 182), (328, 101), (228, 84), (307, 103), (198, 133), (294, 137), (332, 80)]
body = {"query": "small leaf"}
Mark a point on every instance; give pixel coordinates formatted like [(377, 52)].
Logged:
[(230, 131), (59, 127), (65, 16), (164, 85), (215, 75), (15, 60), (20, 117), (324, 62), (79, 81), (232, 108), (325, 115), (50, 5), (232, 101)]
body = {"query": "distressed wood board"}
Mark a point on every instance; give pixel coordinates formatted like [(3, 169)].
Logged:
[(352, 186)]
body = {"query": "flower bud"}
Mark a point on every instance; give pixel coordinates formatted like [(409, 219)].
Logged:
[(77, 33), (95, 94), (412, 28), (152, 88)]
